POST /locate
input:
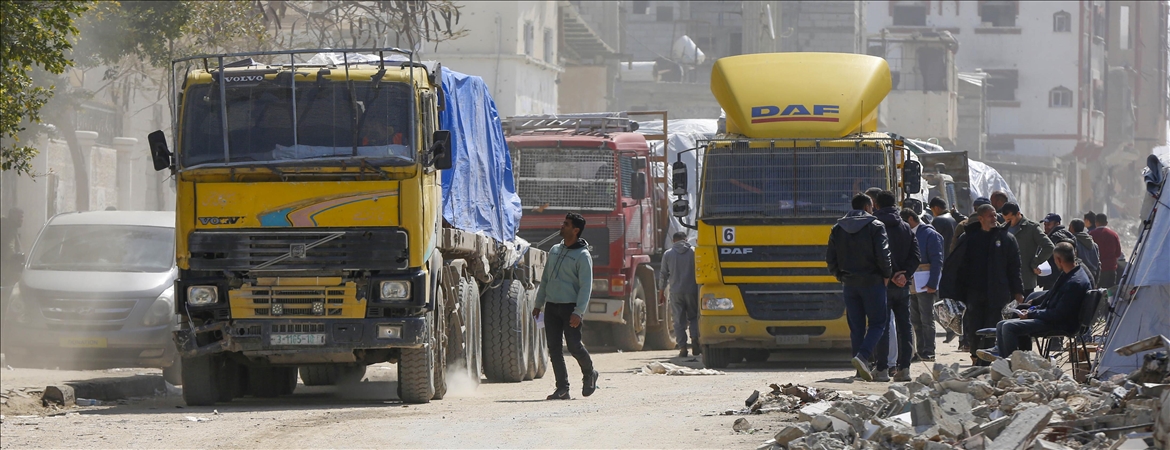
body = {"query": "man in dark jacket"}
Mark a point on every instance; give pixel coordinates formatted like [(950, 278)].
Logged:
[(859, 256), (943, 222), (1057, 234), (984, 273), (564, 292), (930, 248), (1058, 310), (1035, 248), (904, 259), (1087, 252)]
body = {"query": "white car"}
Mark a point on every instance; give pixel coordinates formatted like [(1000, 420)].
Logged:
[(97, 291)]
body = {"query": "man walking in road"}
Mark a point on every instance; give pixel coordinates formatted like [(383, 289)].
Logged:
[(564, 292), (678, 272), (984, 273), (904, 259), (1035, 247), (1109, 245), (1057, 234), (930, 250), (1087, 251), (859, 256)]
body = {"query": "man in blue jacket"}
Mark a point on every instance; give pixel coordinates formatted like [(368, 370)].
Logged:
[(1058, 310), (930, 250), (564, 294)]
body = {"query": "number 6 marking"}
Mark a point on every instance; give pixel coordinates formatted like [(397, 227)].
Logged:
[(728, 235)]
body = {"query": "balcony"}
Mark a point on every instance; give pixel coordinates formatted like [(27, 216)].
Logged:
[(1094, 126)]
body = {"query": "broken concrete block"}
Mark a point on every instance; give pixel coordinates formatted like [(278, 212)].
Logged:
[(1046, 445), (1020, 433), (924, 378), (1009, 401), (844, 421), (993, 428), (927, 413), (790, 431), (741, 424), (980, 390), (807, 412), (1000, 368), (821, 422), (894, 432), (977, 442), (893, 395), (932, 445), (1029, 362), (957, 403), (827, 441), (60, 395)]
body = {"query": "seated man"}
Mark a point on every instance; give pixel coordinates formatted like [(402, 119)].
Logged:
[(1057, 311)]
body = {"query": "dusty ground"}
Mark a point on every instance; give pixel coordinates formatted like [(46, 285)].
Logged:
[(628, 411)]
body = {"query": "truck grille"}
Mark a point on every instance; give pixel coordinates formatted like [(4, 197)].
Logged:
[(798, 301), (563, 178), (316, 249), (294, 301)]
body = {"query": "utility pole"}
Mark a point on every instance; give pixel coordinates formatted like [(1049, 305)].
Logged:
[(760, 22)]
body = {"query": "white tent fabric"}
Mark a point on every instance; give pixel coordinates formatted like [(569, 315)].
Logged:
[(1143, 299), (684, 134)]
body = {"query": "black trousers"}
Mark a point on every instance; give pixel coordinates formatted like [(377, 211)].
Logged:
[(556, 328), (898, 300), (981, 313)]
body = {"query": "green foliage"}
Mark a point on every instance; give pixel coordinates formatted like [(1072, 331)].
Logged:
[(35, 35)]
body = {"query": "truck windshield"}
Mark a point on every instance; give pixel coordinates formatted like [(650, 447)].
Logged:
[(784, 182), (104, 248), (566, 178), (260, 123)]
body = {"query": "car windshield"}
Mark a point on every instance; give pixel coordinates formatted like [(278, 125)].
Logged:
[(104, 248), (260, 123), (806, 182)]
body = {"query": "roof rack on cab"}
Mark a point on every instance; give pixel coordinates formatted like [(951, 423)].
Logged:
[(587, 123)]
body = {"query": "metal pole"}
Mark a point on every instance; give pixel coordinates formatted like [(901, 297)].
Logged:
[(223, 119), (293, 91)]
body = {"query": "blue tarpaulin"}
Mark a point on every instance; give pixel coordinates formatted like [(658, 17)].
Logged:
[(479, 191)]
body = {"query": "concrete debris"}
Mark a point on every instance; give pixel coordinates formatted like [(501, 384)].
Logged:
[(197, 419), (741, 425), (665, 368), (1023, 402), (58, 395)]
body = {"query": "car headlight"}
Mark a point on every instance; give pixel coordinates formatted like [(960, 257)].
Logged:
[(395, 290), (16, 307), (162, 310), (202, 295), (713, 303)]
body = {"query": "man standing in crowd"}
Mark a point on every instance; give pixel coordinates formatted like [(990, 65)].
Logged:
[(998, 199), (961, 227), (564, 292), (1087, 250), (943, 222), (930, 249), (1035, 248), (859, 257), (1057, 234), (1109, 245), (678, 272), (1058, 310), (904, 259), (1091, 221), (984, 273)]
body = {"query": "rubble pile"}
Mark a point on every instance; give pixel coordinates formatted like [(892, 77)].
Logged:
[(1023, 402)]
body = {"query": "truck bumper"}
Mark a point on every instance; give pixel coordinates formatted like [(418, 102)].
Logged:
[(605, 310), (264, 337), (722, 331)]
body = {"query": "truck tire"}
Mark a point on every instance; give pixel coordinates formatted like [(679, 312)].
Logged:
[(287, 378), (231, 379), (201, 384), (715, 358), (416, 369), (631, 336), (661, 335), (270, 382), (331, 374), (464, 338), (505, 350), (757, 355)]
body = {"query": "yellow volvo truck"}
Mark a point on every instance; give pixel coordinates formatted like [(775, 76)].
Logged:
[(314, 232), (800, 141)]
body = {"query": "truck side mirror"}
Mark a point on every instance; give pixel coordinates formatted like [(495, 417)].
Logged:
[(441, 149), (638, 185), (679, 178), (158, 150), (912, 176), (681, 208)]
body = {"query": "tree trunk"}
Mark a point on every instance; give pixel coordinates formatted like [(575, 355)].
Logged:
[(80, 165)]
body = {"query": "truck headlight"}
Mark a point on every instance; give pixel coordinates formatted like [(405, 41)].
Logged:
[(395, 290), (713, 303), (600, 285), (162, 310), (202, 295)]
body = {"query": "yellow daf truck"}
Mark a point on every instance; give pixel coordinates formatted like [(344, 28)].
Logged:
[(800, 142), (330, 216)]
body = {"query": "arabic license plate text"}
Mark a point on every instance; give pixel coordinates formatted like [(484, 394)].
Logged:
[(84, 342), (792, 339), (296, 339)]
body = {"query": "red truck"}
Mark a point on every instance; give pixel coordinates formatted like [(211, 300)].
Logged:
[(599, 166)]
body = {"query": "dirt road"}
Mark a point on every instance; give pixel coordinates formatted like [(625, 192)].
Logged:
[(628, 411)]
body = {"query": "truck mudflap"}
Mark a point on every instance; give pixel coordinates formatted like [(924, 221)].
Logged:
[(260, 337)]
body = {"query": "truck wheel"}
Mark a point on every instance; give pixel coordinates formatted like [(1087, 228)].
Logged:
[(201, 387), (631, 337), (287, 378), (174, 373), (317, 375), (416, 369), (269, 382), (231, 379), (464, 338), (757, 355), (661, 335), (505, 353), (715, 358)]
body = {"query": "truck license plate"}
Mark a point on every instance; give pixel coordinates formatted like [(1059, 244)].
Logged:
[(792, 339), (84, 342), (297, 339)]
